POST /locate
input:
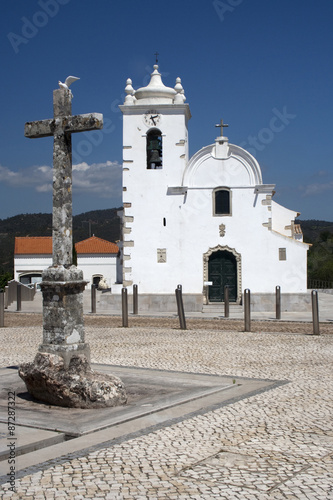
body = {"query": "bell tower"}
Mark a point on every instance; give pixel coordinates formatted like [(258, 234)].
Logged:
[(155, 155)]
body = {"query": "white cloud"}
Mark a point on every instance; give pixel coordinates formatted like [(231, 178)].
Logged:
[(102, 179), (7, 175), (44, 188), (316, 188), (81, 167)]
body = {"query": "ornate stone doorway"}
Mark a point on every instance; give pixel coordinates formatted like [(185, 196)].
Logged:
[(222, 266)]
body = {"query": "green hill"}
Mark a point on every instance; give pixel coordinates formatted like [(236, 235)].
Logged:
[(320, 256)]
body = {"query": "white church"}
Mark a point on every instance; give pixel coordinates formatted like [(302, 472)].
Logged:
[(202, 222)]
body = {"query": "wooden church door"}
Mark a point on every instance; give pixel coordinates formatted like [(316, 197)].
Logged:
[(222, 271)]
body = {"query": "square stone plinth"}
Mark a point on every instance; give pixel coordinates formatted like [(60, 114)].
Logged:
[(63, 326)]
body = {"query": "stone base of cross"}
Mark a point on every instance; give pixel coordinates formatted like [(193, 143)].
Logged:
[(63, 325), (61, 373)]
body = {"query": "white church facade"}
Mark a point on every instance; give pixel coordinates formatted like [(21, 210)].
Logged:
[(202, 222)]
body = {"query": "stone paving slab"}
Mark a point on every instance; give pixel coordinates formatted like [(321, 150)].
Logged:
[(154, 397), (26, 440)]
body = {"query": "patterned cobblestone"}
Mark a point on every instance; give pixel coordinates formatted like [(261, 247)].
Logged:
[(274, 445)]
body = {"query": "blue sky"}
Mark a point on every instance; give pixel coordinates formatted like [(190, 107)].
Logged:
[(265, 67)]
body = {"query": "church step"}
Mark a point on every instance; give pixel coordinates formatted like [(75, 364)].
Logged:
[(220, 307)]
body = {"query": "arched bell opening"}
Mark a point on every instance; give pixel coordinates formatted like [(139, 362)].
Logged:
[(154, 149)]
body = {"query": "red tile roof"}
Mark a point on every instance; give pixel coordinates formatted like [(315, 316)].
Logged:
[(96, 245), (37, 245), (33, 245)]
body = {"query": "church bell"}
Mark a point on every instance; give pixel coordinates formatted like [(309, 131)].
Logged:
[(154, 149), (154, 159)]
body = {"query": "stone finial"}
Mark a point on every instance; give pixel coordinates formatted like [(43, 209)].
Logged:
[(129, 99), (180, 96), (178, 86)]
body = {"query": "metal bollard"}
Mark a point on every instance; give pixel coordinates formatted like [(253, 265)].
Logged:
[(93, 299), (226, 301), (180, 288), (315, 312), (180, 307), (247, 310), (278, 302), (124, 307), (2, 308), (135, 299), (19, 297)]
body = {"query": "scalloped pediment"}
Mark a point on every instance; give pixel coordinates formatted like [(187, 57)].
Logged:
[(240, 168)]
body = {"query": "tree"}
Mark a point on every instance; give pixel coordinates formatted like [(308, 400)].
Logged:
[(4, 278)]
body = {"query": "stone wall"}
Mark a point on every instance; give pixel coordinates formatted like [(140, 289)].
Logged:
[(290, 302)]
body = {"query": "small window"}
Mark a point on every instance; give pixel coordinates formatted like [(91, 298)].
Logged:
[(154, 149), (222, 202), (282, 254)]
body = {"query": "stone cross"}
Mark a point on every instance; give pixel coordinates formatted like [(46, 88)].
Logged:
[(62, 283), (221, 125), (60, 373), (61, 127)]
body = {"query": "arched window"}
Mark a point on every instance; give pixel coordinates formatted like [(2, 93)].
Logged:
[(30, 278), (154, 149), (222, 201)]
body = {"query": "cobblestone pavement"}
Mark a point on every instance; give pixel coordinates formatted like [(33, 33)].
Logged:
[(274, 445)]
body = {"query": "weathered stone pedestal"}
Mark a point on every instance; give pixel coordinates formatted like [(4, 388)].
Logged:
[(60, 373), (73, 386), (63, 327)]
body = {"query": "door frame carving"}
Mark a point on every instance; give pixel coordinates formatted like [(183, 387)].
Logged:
[(238, 266)]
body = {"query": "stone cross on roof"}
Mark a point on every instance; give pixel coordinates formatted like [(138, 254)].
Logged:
[(61, 126), (221, 125)]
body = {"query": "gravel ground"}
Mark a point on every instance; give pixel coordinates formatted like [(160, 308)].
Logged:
[(35, 319)]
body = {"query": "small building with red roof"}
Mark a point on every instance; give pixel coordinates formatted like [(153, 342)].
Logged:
[(96, 257)]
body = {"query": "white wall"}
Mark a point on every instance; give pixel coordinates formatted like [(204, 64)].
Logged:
[(95, 265), (91, 265), (282, 218), (29, 264), (191, 229), (146, 203)]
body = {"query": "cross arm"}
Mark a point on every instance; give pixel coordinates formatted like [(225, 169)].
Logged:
[(42, 128), (83, 123), (68, 124)]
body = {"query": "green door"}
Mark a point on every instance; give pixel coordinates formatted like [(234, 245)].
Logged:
[(222, 270)]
